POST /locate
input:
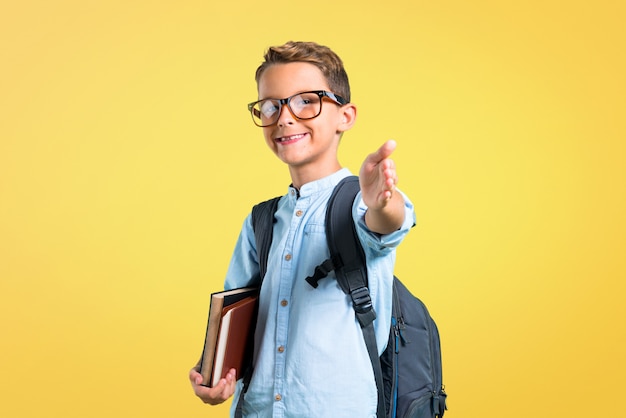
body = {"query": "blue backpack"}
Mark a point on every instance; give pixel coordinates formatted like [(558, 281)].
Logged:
[(408, 373)]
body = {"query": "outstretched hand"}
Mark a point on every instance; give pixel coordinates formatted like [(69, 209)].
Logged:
[(378, 179), (378, 176)]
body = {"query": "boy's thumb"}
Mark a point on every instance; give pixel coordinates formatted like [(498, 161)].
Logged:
[(384, 151)]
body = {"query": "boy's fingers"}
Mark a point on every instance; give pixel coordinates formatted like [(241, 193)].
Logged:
[(194, 374), (384, 151), (381, 153)]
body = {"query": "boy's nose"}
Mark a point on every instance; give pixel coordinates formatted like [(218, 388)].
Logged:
[(285, 117)]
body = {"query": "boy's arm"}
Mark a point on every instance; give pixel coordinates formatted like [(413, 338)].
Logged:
[(378, 179)]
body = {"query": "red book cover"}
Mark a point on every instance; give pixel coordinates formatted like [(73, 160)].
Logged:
[(223, 326), (234, 335)]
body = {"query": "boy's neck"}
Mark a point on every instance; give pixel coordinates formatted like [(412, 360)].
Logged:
[(303, 175)]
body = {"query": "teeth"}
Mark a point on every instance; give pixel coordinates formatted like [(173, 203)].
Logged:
[(289, 138)]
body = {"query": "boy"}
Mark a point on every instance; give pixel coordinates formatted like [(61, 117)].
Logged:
[(310, 359)]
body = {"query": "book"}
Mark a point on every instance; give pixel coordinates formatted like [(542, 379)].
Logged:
[(228, 339)]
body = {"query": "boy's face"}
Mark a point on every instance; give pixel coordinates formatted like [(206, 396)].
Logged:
[(305, 145)]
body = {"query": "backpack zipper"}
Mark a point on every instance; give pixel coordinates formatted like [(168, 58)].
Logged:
[(401, 327), (436, 383), (396, 331)]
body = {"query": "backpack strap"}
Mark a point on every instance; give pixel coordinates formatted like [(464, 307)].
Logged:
[(263, 225), (349, 262)]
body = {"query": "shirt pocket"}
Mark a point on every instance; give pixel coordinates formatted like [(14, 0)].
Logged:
[(312, 229), (313, 245)]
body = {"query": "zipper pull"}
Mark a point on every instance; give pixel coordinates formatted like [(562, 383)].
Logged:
[(396, 333), (436, 404), (401, 327)]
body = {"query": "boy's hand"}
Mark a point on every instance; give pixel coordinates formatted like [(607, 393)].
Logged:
[(217, 394), (378, 181), (378, 177)]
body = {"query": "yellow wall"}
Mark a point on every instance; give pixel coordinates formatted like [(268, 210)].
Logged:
[(128, 161)]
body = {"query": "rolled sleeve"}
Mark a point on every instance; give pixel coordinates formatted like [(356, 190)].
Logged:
[(375, 241)]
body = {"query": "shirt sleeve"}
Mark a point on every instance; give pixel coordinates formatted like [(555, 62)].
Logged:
[(373, 241), (243, 269)]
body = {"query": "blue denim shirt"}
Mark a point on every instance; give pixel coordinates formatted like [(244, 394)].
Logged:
[(310, 358)]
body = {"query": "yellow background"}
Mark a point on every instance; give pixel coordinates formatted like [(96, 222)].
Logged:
[(128, 162)]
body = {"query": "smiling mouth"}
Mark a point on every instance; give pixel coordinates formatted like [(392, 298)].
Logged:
[(290, 138)]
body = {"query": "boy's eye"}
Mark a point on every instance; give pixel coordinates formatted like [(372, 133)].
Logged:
[(302, 100)]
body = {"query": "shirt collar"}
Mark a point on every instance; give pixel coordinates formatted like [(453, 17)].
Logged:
[(317, 186)]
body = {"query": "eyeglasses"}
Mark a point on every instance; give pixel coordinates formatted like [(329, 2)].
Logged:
[(303, 106)]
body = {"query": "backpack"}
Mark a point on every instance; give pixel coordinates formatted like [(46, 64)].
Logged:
[(408, 374)]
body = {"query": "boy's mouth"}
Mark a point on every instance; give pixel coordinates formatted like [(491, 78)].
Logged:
[(289, 138)]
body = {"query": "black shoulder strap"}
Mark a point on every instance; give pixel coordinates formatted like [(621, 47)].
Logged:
[(351, 269), (263, 225)]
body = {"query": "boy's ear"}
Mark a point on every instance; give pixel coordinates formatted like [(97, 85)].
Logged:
[(348, 117)]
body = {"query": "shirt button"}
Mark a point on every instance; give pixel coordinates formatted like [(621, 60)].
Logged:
[(281, 349), (288, 257), (284, 302), (299, 213), (278, 397)]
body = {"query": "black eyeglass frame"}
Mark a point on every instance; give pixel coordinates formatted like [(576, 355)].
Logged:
[(286, 101)]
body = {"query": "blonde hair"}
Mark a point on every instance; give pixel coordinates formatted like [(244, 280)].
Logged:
[(321, 56)]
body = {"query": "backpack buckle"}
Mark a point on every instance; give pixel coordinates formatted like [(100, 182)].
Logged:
[(361, 299), (320, 272)]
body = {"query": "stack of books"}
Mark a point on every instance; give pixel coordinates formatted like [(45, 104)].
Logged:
[(228, 343)]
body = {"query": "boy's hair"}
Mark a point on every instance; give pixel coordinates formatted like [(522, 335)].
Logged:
[(321, 56)]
